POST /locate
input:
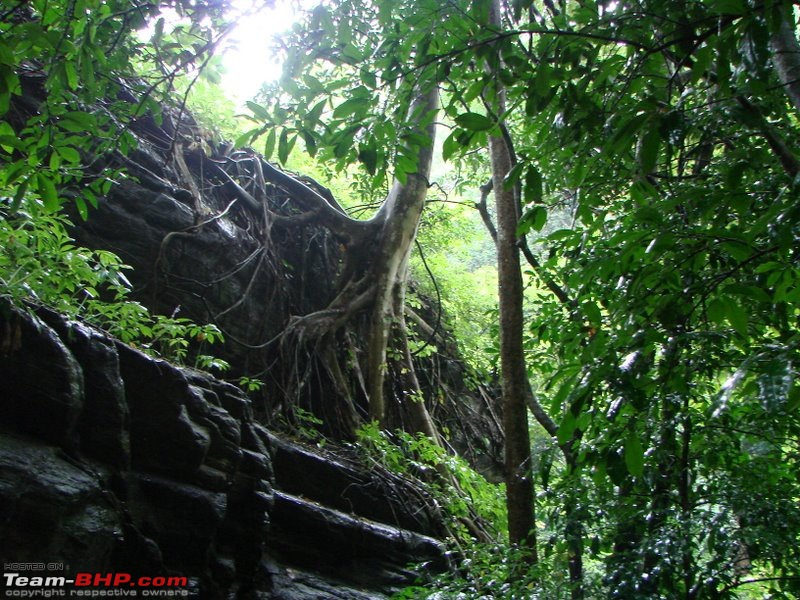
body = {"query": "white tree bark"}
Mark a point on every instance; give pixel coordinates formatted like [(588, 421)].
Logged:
[(399, 219), (786, 54)]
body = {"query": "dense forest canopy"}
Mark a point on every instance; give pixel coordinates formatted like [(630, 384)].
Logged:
[(642, 157)]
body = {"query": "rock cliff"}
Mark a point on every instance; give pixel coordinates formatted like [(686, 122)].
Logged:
[(113, 461)]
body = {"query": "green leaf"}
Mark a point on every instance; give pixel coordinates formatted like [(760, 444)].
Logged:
[(717, 311), (8, 137), (19, 195), (316, 112), (47, 190), (512, 177), (474, 121), (89, 195), (285, 145), (622, 136), (77, 122), (72, 75), (450, 146), (793, 402), (310, 141), (616, 468), (737, 317), (562, 234), (591, 311), (702, 62), (533, 187), (259, 111), (247, 137), (353, 106), (634, 455), (740, 251), (583, 421), (269, 143), (368, 155), (542, 80), (407, 164), (83, 210), (69, 154), (532, 219), (368, 78), (566, 428), (344, 143), (648, 149), (400, 175), (728, 7), (563, 392)]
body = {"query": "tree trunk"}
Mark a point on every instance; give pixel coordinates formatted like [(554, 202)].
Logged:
[(514, 376), (370, 294), (421, 418), (786, 53), (398, 220), (519, 486)]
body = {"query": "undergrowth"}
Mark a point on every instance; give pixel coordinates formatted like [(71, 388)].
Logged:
[(482, 570), (466, 495)]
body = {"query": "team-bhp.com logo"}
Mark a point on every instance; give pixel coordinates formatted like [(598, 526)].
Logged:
[(19, 585)]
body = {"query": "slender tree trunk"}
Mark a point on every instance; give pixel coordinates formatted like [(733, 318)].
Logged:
[(519, 485), (421, 418), (573, 533), (685, 492), (667, 473), (622, 565), (514, 375)]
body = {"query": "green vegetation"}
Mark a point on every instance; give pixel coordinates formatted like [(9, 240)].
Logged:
[(465, 497), (82, 51), (452, 269), (41, 265), (653, 159), (661, 327)]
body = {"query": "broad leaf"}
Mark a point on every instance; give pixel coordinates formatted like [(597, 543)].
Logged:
[(634, 455), (474, 121)]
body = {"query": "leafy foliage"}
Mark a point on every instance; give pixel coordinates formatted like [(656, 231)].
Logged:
[(677, 348), (467, 496), (489, 571), (662, 336), (40, 264), (450, 267), (84, 58)]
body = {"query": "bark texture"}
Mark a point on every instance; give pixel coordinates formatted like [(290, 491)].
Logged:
[(514, 377), (786, 53)]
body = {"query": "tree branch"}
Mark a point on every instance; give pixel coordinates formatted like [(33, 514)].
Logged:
[(483, 210), (534, 263), (785, 155)]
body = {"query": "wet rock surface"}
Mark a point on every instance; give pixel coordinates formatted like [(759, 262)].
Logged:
[(112, 461)]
